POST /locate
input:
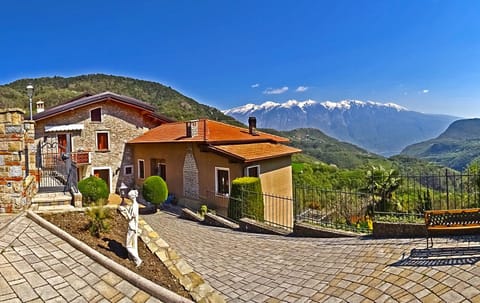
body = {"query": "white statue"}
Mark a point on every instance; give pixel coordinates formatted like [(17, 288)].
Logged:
[(131, 212)]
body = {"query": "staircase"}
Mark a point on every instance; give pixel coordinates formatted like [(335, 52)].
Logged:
[(52, 201)]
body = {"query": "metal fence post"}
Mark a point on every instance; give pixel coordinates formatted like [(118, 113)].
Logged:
[(446, 188)]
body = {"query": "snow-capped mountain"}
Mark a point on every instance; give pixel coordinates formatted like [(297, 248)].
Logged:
[(383, 128)]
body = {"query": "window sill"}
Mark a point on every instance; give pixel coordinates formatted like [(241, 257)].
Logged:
[(102, 151)]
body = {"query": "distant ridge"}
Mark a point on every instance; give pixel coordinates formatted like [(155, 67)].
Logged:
[(382, 128), (456, 147)]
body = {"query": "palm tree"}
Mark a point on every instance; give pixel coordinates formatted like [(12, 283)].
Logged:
[(382, 184)]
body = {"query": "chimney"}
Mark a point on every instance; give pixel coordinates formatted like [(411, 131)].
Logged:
[(252, 125), (40, 106), (192, 128)]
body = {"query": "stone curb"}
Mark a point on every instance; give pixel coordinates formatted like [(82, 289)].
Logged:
[(198, 288), (137, 280)]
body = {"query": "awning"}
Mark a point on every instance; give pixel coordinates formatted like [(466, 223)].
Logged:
[(63, 128)]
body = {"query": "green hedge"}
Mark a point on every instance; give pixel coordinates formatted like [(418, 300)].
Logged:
[(246, 199), (155, 190), (93, 189)]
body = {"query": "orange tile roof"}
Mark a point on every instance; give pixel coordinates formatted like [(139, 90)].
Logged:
[(254, 151), (208, 131)]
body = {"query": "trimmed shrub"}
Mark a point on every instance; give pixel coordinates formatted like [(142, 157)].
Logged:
[(246, 199), (155, 190), (93, 189)]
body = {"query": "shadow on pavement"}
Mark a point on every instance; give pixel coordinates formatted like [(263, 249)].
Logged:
[(445, 256)]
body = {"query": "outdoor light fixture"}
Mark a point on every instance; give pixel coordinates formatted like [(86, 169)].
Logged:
[(123, 193), (30, 90)]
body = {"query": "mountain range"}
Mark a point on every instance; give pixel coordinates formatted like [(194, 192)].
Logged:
[(385, 129)]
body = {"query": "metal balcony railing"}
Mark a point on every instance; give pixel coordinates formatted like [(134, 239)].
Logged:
[(81, 158)]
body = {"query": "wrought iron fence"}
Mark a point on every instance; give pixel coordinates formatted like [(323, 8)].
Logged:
[(274, 210), (416, 193), (347, 210), (52, 171), (355, 209), (55, 169), (338, 209)]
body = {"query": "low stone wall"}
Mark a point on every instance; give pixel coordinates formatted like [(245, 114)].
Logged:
[(308, 230), (214, 220), (190, 215), (398, 230), (252, 226)]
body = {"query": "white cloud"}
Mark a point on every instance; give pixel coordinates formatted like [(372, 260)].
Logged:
[(301, 89), (425, 91), (275, 91), (255, 85)]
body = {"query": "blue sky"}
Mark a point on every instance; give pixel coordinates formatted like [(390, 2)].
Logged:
[(421, 54)]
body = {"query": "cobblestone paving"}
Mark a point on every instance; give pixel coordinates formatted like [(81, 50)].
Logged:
[(261, 268), (37, 266)]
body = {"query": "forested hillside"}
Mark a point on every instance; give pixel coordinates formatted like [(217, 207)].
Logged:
[(54, 90), (316, 144), (456, 148)]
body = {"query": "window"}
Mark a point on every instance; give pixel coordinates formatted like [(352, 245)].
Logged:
[(253, 171), (141, 169), (96, 115), (102, 141), (158, 168), (128, 170), (222, 181)]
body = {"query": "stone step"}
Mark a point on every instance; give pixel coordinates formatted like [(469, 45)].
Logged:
[(52, 199), (55, 208)]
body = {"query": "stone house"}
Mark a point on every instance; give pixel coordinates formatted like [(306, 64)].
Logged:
[(199, 159), (92, 130)]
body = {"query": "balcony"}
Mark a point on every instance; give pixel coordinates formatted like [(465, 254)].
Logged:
[(81, 157)]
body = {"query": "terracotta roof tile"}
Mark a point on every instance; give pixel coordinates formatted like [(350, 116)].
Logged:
[(207, 131), (255, 151)]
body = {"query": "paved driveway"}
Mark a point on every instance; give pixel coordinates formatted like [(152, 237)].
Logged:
[(262, 268)]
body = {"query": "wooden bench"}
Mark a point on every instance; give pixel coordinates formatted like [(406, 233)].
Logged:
[(451, 220)]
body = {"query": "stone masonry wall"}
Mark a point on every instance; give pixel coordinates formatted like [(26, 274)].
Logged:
[(16, 139), (122, 124), (190, 176)]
